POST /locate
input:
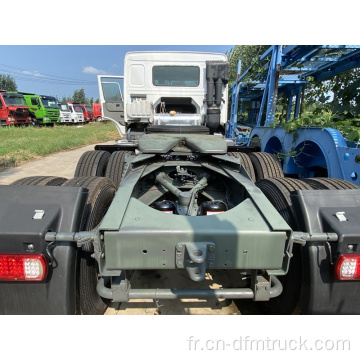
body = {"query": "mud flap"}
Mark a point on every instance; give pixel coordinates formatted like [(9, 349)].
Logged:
[(316, 211), (20, 227), (321, 292)]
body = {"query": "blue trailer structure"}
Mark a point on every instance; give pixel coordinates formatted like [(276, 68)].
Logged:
[(313, 151)]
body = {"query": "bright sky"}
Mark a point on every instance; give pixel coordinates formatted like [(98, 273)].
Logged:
[(58, 70)]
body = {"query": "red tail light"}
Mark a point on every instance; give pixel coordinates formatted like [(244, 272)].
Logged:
[(348, 267), (22, 267)]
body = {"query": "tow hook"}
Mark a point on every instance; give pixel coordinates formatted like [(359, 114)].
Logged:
[(195, 258)]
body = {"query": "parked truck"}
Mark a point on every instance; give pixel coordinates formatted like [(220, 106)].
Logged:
[(13, 109), (65, 114), (96, 108), (88, 113), (174, 195), (77, 115), (43, 108)]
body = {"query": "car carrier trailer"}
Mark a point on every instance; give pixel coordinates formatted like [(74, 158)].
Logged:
[(306, 151), (173, 195)]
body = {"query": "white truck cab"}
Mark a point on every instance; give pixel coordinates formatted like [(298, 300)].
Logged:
[(65, 114), (77, 115), (167, 89)]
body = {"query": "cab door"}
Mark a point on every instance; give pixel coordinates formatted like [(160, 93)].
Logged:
[(111, 90), (36, 107)]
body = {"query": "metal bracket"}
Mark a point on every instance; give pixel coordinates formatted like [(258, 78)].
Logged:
[(81, 238), (303, 238), (120, 287), (52, 260), (195, 257), (260, 286)]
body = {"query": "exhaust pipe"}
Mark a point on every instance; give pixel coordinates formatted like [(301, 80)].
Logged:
[(217, 75)]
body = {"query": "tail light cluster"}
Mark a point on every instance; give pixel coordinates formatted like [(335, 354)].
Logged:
[(348, 267), (22, 267)]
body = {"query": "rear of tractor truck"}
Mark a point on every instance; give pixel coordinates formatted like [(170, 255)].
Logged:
[(173, 196)]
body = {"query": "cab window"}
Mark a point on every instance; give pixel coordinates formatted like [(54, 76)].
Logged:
[(184, 76), (34, 101)]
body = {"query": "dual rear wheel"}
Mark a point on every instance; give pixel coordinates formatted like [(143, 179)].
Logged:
[(259, 165), (101, 193), (102, 163)]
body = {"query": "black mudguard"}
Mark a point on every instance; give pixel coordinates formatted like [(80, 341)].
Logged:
[(321, 292), (63, 208), (315, 211)]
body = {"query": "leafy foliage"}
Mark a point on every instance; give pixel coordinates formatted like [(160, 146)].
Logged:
[(349, 128), (80, 97), (7, 82), (249, 56), (345, 88)]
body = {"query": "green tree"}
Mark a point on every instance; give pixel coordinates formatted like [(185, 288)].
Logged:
[(79, 96), (66, 98), (7, 82), (338, 95), (249, 56), (91, 101)]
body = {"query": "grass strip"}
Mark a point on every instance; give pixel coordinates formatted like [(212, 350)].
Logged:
[(22, 144)]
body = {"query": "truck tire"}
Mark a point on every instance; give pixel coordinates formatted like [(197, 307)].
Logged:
[(92, 163), (277, 190), (246, 163), (278, 193), (330, 184), (116, 166), (266, 166), (101, 193), (40, 180)]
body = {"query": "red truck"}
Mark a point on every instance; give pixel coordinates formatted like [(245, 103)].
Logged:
[(88, 113), (97, 111), (13, 109)]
